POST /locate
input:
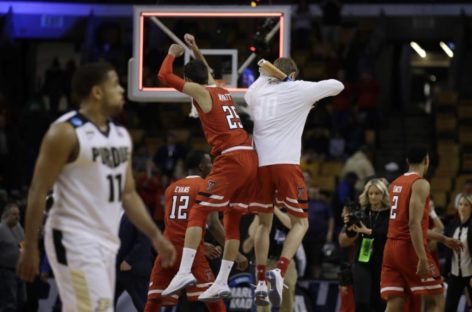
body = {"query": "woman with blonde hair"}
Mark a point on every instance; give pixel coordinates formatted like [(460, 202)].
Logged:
[(369, 236), (461, 262)]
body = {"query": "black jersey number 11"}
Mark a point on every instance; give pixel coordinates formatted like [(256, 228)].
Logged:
[(111, 182)]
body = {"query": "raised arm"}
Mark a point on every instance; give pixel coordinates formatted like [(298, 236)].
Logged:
[(192, 43), (316, 91), (59, 146), (268, 69), (167, 77)]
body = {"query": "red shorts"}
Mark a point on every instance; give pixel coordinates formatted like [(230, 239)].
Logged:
[(160, 278), (229, 181), (282, 185), (229, 184), (399, 277)]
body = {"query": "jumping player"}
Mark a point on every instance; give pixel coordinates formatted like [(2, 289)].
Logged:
[(235, 166), (279, 106)]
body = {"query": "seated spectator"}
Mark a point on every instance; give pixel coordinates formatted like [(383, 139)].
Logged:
[(392, 171), (150, 187), (142, 160), (337, 146), (54, 86), (354, 135), (318, 141), (331, 19), (302, 25), (361, 164), (367, 100), (342, 104), (168, 155)]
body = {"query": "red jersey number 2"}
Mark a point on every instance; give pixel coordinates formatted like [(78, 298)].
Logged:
[(393, 210)]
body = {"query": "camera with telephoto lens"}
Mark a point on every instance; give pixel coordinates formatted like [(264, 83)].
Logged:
[(355, 214)]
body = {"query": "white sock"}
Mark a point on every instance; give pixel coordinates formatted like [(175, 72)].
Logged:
[(188, 255), (225, 269)]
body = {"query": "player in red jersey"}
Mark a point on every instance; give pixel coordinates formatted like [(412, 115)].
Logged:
[(234, 168), (406, 239), (179, 197)]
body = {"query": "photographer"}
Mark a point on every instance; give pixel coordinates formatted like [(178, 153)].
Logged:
[(366, 227)]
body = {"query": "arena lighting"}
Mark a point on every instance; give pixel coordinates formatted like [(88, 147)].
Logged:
[(254, 3), (415, 46), (446, 49)]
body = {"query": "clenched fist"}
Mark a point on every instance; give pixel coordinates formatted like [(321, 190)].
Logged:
[(176, 50), (190, 41)]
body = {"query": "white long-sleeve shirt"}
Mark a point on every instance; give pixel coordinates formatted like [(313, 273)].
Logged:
[(461, 264), (279, 110)]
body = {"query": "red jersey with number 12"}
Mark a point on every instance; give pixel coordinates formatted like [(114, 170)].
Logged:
[(221, 125), (400, 193), (180, 197)]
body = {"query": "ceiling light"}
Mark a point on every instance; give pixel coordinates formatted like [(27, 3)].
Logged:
[(446, 49), (415, 46)]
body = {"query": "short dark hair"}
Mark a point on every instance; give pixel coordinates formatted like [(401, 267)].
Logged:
[(287, 65), (194, 159), (9, 206), (86, 77), (416, 154), (197, 71)]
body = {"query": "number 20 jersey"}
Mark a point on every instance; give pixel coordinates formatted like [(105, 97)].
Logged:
[(180, 197), (88, 191), (400, 193)]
